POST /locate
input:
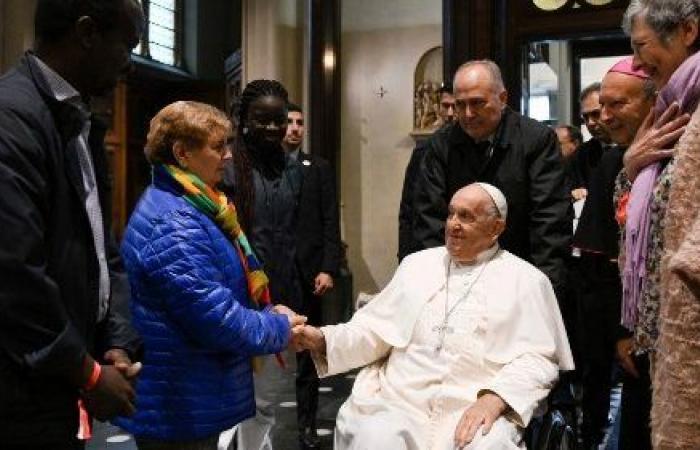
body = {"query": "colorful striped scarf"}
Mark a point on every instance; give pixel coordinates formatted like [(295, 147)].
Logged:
[(216, 206)]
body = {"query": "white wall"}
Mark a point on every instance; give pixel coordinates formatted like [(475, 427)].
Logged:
[(380, 48), (381, 44), (373, 15), (274, 43)]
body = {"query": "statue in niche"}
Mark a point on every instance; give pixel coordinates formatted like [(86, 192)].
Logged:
[(426, 97), (428, 102)]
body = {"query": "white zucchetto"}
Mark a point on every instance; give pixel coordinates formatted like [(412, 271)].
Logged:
[(497, 196)]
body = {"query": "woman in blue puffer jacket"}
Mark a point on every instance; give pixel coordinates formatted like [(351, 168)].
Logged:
[(198, 295)]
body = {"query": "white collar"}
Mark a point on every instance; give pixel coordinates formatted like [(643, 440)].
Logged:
[(485, 255)]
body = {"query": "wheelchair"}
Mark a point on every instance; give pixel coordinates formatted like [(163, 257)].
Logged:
[(557, 428), (550, 432)]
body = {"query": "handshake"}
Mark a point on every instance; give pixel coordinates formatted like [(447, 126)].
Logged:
[(302, 336)]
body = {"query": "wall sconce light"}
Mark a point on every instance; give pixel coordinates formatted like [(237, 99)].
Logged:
[(329, 59)]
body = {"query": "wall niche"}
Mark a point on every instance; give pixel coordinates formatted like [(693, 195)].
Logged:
[(426, 92)]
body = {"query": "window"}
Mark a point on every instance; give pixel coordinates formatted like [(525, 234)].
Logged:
[(161, 40), (538, 108)]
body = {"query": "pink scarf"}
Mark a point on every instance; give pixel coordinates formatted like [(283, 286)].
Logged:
[(683, 87)]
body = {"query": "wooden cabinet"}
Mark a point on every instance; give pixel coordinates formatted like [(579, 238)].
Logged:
[(128, 112)]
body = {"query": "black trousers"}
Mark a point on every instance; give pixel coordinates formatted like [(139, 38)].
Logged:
[(635, 431), (599, 294), (307, 382)]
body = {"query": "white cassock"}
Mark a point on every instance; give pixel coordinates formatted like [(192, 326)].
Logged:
[(504, 335)]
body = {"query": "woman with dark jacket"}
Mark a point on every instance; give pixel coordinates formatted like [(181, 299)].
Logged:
[(198, 295)]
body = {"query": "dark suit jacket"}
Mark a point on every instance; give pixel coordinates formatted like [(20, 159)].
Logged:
[(598, 231), (48, 264), (585, 161), (318, 244)]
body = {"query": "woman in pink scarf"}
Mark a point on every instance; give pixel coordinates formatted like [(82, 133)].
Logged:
[(663, 208)]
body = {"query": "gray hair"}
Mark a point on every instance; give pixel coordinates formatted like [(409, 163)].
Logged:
[(663, 16), (491, 67), (649, 89)]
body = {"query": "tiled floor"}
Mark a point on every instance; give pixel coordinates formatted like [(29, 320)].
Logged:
[(332, 394)]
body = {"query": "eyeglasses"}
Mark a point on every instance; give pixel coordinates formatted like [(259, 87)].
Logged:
[(592, 115)]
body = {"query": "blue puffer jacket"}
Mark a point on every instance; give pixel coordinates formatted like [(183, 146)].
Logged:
[(189, 301)]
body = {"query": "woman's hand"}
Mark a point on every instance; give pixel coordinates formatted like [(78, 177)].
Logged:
[(653, 139), (294, 318)]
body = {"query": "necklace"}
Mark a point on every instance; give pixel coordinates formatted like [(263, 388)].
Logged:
[(443, 328)]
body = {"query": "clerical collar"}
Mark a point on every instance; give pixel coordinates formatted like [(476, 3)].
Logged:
[(480, 258)]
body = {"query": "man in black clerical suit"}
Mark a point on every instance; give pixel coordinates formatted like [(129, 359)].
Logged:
[(589, 153)]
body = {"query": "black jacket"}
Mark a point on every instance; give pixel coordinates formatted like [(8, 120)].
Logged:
[(526, 165), (585, 162), (276, 181), (318, 236), (407, 210), (48, 264), (598, 231)]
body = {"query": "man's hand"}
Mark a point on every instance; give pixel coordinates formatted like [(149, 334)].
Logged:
[(484, 412), (295, 338), (112, 396), (625, 350), (578, 194), (650, 144), (311, 338), (121, 361), (322, 283)]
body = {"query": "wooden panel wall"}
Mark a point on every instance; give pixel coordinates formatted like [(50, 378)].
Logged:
[(499, 29)]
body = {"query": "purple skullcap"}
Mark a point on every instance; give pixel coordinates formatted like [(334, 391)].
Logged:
[(625, 66)]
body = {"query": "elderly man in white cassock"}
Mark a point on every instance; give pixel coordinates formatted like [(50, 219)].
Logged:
[(460, 348)]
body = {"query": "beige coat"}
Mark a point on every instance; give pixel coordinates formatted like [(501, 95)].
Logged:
[(676, 384)]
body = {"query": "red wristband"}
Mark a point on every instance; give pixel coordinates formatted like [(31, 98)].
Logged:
[(94, 377)]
